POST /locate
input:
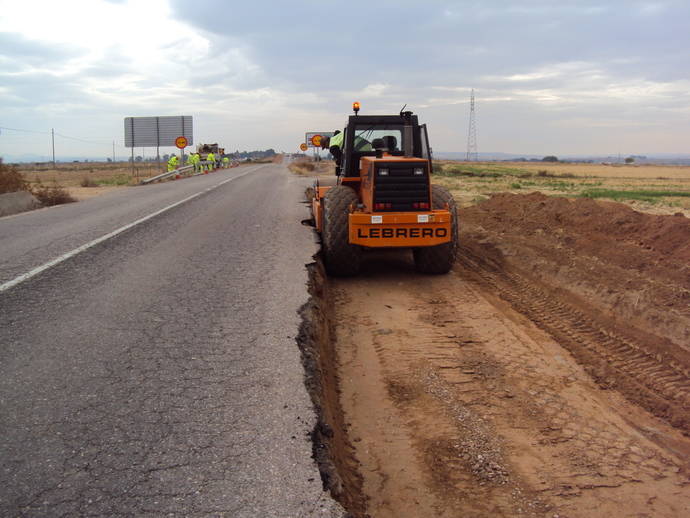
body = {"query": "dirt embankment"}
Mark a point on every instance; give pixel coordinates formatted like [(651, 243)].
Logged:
[(546, 376), (618, 281), (634, 266)]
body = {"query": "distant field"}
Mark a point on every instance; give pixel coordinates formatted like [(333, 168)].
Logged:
[(582, 169), (105, 173), (649, 188), (86, 179)]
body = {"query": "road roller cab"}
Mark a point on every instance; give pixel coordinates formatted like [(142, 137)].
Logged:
[(383, 197)]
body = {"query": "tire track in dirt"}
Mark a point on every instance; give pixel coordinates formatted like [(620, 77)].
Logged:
[(657, 381), (458, 406), (548, 376)]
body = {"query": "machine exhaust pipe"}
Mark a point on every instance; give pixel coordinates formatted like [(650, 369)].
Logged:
[(408, 142)]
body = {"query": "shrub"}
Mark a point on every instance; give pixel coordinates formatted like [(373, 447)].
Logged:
[(88, 182), (51, 194), (11, 180), (302, 167)]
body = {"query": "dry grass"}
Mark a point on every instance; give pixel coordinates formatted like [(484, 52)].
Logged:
[(601, 170), (83, 180), (308, 168), (655, 189), (53, 194), (101, 173), (11, 180), (302, 167)]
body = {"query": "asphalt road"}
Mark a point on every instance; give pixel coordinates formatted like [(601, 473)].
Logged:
[(156, 373)]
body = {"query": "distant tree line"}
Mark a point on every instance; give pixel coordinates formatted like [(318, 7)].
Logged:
[(255, 155)]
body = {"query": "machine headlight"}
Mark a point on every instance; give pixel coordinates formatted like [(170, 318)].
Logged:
[(383, 172), (418, 171)]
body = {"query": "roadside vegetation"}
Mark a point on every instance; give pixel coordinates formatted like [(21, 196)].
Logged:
[(11, 180), (52, 194), (90, 174), (309, 168), (660, 189), (641, 195), (120, 179)]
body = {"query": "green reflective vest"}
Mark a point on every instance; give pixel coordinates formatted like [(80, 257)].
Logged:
[(360, 143), (337, 140)]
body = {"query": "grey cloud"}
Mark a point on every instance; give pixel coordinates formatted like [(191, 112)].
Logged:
[(23, 51), (309, 59), (112, 64), (421, 43), (36, 89)]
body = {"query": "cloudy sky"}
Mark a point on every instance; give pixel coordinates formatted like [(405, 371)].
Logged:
[(550, 77)]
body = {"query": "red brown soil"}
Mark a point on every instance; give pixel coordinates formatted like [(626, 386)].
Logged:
[(546, 376), (626, 273)]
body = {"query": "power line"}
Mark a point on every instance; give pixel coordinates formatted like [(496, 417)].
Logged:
[(79, 139), (26, 131), (87, 141)]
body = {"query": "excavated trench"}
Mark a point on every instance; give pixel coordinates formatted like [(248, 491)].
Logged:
[(331, 447), (547, 375)]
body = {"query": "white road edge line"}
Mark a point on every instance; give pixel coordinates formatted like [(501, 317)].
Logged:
[(72, 253)]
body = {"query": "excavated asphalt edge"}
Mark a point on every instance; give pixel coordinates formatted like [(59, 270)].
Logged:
[(331, 448)]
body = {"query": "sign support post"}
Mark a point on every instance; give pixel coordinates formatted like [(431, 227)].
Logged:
[(181, 143), (156, 132)]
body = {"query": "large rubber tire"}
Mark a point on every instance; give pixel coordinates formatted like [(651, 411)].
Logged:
[(439, 259), (341, 258)]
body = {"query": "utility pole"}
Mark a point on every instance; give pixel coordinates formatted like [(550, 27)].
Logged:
[(113, 151), (52, 136), (472, 153)]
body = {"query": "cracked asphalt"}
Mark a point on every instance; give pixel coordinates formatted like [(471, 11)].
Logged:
[(157, 373)]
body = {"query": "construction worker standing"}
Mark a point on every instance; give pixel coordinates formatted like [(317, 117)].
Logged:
[(192, 161), (172, 163), (211, 158)]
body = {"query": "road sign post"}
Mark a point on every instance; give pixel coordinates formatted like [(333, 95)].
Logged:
[(181, 143), (313, 138)]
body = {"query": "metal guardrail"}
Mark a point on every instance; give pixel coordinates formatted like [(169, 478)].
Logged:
[(175, 172)]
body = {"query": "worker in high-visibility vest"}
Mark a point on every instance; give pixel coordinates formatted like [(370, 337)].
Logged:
[(211, 158), (226, 162), (335, 143), (194, 161), (172, 163)]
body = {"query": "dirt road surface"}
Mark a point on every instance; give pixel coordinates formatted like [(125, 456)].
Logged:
[(546, 376)]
